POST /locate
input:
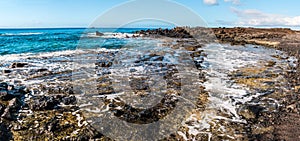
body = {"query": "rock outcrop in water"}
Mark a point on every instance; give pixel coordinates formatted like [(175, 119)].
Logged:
[(177, 32), (99, 33), (18, 65)]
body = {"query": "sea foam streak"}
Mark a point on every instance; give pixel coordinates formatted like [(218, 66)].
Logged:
[(22, 34), (112, 35)]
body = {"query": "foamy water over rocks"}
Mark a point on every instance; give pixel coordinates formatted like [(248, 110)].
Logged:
[(240, 81)]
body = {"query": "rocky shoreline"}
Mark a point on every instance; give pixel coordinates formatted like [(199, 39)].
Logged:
[(284, 123), (42, 102), (51, 108)]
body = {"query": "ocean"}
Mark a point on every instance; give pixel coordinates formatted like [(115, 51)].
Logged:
[(20, 41)]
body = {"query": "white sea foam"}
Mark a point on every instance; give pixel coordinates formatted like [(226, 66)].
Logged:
[(18, 57), (112, 35), (22, 34)]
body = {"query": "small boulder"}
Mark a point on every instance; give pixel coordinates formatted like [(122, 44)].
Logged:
[(4, 95), (99, 33), (69, 100), (42, 70), (3, 86), (10, 112), (41, 103), (2, 108), (18, 65), (5, 134), (8, 92), (7, 71), (192, 48)]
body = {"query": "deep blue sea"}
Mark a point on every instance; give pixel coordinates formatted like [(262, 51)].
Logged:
[(19, 41)]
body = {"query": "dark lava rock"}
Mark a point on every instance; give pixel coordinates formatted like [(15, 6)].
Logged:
[(139, 84), (4, 95), (132, 70), (11, 100), (2, 108), (18, 65), (3, 86), (40, 103), (105, 64), (5, 134), (42, 70), (177, 32), (58, 89), (69, 100), (99, 33), (8, 92), (144, 116), (10, 112), (150, 57), (7, 71), (53, 125)]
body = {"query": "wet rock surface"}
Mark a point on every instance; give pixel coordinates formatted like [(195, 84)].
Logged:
[(11, 100), (18, 65), (10, 104), (282, 124), (241, 36), (177, 32), (46, 105), (133, 79)]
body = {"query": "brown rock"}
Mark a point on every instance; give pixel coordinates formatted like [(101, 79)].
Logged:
[(192, 48)]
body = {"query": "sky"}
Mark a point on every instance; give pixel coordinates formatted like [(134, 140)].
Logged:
[(112, 13)]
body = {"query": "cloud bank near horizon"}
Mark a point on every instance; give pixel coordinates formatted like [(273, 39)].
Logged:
[(253, 17)]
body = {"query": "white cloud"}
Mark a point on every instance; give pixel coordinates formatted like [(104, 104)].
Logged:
[(211, 2), (236, 2), (252, 17), (215, 2)]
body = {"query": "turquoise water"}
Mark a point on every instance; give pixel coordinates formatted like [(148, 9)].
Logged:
[(18, 41)]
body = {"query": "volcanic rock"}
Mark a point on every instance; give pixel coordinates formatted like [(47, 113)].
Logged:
[(18, 65), (99, 33), (39, 103)]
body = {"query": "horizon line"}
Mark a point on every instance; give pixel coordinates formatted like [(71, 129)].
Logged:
[(82, 27)]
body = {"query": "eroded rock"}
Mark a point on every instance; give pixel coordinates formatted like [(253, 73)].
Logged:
[(18, 65), (40, 103)]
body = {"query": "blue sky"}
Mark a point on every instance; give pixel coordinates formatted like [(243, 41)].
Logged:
[(82, 13)]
